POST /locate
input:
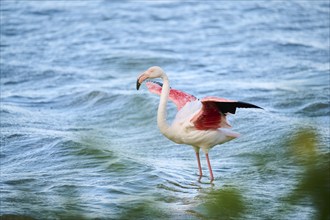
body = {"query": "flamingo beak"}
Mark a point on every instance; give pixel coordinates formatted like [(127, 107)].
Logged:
[(140, 80)]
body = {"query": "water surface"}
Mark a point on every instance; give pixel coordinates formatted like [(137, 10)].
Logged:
[(78, 141)]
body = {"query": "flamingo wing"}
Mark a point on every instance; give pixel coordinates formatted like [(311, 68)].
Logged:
[(228, 106), (212, 114), (178, 97)]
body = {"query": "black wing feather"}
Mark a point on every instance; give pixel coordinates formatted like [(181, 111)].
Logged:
[(230, 107), (159, 83)]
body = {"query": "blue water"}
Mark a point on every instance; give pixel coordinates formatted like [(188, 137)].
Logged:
[(78, 141)]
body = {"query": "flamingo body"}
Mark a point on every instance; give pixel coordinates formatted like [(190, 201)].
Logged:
[(196, 124), (199, 123)]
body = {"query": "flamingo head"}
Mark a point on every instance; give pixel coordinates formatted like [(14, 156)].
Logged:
[(151, 73)]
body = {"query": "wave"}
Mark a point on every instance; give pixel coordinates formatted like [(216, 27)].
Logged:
[(315, 109)]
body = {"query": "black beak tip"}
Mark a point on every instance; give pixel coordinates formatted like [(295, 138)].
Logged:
[(138, 84)]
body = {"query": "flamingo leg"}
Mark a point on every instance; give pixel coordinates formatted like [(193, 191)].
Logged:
[(209, 165), (199, 165)]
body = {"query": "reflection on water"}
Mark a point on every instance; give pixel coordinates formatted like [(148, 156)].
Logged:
[(78, 141)]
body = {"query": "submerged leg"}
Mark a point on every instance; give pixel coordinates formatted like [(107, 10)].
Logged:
[(209, 165)]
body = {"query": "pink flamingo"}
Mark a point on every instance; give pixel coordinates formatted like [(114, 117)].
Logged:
[(199, 123)]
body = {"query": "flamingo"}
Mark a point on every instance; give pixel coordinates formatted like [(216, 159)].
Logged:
[(200, 123)]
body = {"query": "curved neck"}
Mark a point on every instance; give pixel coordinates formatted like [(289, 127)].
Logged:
[(161, 114)]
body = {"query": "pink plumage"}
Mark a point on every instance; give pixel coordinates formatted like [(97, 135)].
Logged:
[(178, 97)]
